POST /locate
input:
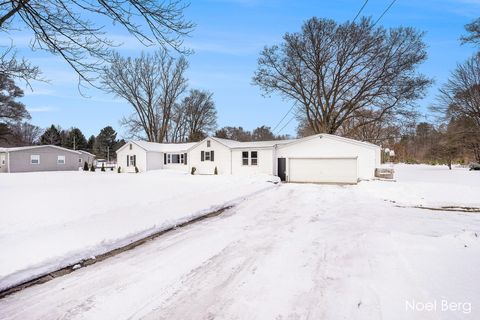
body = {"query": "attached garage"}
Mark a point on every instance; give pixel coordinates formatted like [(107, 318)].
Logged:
[(323, 170), (325, 158)]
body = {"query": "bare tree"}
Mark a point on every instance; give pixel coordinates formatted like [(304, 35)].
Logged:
[(333, 71), (62, 27), (151, 84), (200, 114), (15, 68), (25, 134), (460, 96)]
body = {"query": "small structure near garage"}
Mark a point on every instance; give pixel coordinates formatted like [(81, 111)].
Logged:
[(151, 156), (39, 158)]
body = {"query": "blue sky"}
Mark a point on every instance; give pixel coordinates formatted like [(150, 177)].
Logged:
[(228, 37)]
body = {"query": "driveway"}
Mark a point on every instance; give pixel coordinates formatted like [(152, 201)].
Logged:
[(291, 252)]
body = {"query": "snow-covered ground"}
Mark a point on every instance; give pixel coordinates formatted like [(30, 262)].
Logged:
[(294, 251), (50, 220)]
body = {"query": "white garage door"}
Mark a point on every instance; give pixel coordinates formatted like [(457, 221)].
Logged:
[(323, 170)]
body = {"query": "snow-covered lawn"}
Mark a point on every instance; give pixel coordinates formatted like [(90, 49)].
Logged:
[(53, 219), (294, 251)]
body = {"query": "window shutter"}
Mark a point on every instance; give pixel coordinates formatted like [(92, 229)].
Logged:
[(211, 155), (135, 160), (164, 158), (185, 159), (202, 156), (128, 160)]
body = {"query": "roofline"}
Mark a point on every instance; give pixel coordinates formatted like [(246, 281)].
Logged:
[(212, 138), (331, 136), (141, 147), (15, 149)]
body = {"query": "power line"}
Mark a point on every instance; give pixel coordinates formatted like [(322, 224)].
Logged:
[(286, 114), (388, 8), (285, 125), (359, 11)]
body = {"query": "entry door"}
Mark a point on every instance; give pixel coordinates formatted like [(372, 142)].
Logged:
[(281, 168)]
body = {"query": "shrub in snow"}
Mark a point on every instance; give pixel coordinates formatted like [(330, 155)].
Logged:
[(119, 169), (111, 168), (136, 169), (193, 170), (92, 168), (103, 167), (85, 166), (215, 171)]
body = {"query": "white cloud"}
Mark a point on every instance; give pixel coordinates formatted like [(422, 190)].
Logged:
[(40, 109)]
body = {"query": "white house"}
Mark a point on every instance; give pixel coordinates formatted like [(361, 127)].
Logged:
[(321, 158), (151, 156)]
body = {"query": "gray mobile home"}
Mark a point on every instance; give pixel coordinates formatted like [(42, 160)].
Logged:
[(41, 158)]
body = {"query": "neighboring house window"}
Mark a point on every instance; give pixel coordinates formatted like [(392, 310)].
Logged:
[(254, 158), (60, 159), (130, 146), (245, 158), (208, 143), (35, 159), (79, 160), (207, 155), (2, 159)]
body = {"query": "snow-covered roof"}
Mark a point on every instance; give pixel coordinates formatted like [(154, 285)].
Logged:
[(250, 144), (86, 152), (36, 147), (163, 147)]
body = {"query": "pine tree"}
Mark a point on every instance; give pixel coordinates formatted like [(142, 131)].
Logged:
[(92, 168), (85, 166), (103, 167), (75, 140), (105, 142), (51, 136), (215, 171)]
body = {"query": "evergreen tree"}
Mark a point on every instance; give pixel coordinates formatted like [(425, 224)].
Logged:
[(85, 166), (51, 136), (75, 140), (90, 143), (104, 146)]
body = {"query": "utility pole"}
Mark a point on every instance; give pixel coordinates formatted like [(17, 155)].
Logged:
[(108, 154), (74, 142)]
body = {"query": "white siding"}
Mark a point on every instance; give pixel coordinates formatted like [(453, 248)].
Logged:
[(141, 158), (265, 162), (326, 147), (222, 158)]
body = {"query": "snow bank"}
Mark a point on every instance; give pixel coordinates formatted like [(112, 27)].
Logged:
[(53, 219)]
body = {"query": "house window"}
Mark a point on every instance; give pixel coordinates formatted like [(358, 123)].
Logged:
[(2, 159), (133, 161), (182, 158), (254, 158), (245, 158), (60, 159), (208, 143), (169, 158), (207, 155), (35, 159), (130, 146), (79, 160), (175, 158)]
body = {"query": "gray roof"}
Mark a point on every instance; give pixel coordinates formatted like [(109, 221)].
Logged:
[(36, 147)]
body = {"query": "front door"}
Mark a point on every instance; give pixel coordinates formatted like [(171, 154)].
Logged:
[(281, 168)]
